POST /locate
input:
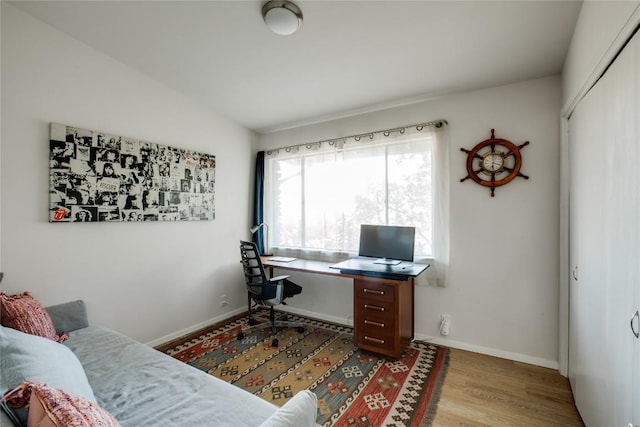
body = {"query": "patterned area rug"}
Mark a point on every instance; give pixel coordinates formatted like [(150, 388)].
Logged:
[(354, 387)]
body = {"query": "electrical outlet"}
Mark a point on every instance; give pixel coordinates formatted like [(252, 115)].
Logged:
[(445, 324)]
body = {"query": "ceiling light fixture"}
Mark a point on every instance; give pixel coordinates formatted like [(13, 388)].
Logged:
[(282, 17)]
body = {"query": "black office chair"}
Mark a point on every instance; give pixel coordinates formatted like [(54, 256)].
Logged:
[(263, 291)]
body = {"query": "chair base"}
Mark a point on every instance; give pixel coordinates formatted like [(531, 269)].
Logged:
[(274, 324)]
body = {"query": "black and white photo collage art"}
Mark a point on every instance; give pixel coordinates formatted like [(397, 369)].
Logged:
[(96, 176)]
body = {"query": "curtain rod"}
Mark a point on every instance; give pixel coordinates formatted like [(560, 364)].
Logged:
[(357, 137)]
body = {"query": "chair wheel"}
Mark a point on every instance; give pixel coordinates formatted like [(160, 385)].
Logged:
[(301, 329), (240, 336), (274, 343), (252, 322)]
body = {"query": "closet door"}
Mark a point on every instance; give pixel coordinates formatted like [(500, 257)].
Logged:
[(587, 353), (621, 229), (606, 182), (634, 322), (574, 272)]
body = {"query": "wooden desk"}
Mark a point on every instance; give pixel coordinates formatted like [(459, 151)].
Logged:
[(383, 308)]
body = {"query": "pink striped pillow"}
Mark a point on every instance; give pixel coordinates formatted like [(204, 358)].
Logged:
[(24, 313), (51, 407)]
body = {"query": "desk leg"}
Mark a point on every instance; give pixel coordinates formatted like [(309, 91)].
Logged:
[(413, 316)]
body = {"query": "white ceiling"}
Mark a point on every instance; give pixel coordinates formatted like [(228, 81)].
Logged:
[(349, 56)]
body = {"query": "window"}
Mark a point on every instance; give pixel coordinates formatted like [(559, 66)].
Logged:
[(317, 196)]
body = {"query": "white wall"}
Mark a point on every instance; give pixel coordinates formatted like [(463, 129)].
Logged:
[(147, 280), (503, 288)]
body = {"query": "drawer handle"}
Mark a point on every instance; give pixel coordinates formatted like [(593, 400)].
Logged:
[(374, 307), (371, 322), (376, 340), (372, 291)]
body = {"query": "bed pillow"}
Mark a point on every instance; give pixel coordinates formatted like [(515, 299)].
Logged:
[(26, 314), (51, 407), (299, 411), (68, 316), (28, 357)]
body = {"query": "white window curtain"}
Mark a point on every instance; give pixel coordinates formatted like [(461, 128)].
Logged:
[(318, 194), (438, 273)]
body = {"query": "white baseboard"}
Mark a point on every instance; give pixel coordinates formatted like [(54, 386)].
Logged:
[(321, 316), (195, 327), (517, 357)]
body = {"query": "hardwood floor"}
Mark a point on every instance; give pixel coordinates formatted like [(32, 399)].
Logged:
[(482, 390)]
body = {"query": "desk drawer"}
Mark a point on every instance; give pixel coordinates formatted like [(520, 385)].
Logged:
[(375, 328), (374, 291), (372, 336), (374, 310)]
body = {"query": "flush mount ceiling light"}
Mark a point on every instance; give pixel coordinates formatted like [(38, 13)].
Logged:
[(282, 17)]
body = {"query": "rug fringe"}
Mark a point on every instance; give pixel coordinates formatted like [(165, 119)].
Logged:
[(427, 419)]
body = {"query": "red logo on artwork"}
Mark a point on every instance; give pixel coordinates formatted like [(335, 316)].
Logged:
[(59, 214)]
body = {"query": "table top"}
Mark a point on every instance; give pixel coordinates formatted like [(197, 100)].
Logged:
[(304, 265), (351, 267)]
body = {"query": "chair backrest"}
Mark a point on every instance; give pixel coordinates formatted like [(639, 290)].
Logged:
[(254, 274)]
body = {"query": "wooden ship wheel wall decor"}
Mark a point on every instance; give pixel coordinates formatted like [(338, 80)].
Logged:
[(494, 162)]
